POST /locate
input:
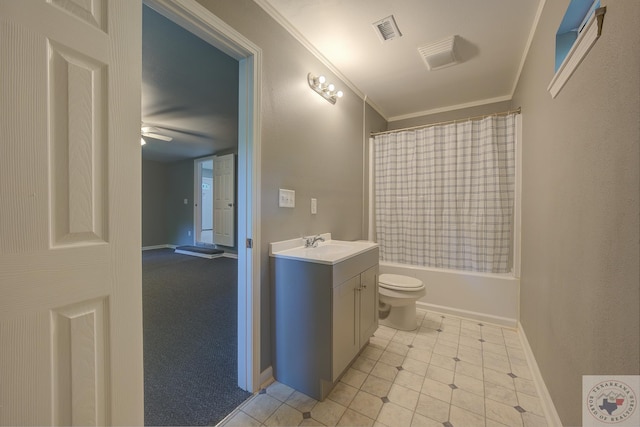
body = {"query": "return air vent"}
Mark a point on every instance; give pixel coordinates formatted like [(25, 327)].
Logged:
[(439, 54), (387, 29)]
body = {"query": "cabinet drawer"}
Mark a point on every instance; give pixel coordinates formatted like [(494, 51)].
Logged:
[(354, 266)]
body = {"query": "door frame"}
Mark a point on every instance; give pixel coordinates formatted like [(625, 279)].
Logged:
[(197, 197), (204, 24)]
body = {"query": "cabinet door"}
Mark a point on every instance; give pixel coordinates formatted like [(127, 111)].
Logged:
[(368, 294), (345, 321)]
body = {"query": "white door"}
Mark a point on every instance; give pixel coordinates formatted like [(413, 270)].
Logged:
[(70, 260), (224, 200)]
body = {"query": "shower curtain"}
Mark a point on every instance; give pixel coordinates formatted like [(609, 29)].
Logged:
[(444, 195)]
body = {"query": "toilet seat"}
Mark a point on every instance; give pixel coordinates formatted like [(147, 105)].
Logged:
[(398, 282)]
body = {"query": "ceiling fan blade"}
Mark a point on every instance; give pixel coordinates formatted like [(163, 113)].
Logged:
[(160, 129), (157, 136)]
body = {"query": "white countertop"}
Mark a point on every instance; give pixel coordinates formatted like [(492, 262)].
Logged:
[(328, 252)]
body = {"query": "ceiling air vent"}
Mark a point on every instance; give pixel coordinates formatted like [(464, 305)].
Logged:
[(387, 29), (439, 54)]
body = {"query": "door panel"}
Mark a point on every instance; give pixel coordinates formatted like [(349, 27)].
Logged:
[(368, 304), (345, 321), (224, 200), (70, 260)]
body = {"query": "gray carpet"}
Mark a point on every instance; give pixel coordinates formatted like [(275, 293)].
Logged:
[(190, 338)]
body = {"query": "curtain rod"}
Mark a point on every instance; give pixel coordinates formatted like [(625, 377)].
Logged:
[(504, 113)]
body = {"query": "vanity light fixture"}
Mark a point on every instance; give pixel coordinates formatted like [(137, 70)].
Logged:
[(326, 90)]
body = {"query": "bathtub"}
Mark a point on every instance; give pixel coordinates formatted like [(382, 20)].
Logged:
[(491, 298)]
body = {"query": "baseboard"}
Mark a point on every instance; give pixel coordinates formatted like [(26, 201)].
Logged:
[(549, 408), (199, 255), (266, 377), (482, 317), (166, 246)]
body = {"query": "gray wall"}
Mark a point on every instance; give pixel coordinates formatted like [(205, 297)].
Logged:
[(308, 145), (165, 217), (154, 219), (179, 215), (373, 123), (580, 279)]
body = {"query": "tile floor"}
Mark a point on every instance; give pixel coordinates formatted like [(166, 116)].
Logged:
[(448, 372)]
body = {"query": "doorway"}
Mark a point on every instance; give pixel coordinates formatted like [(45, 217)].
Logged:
[(214, 198), (198, 20), (204, 197)]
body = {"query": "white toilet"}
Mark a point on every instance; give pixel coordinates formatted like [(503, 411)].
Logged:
[(398, 295)]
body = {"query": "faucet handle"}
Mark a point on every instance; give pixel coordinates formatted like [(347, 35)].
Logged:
[(312, 241)]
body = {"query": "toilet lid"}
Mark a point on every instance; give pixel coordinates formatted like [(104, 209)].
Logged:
[(399, 282)]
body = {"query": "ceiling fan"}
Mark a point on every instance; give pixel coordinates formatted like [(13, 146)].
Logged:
[(154, 132)]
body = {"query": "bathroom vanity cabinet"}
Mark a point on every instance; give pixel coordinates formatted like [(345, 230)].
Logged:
[(355, 318), (323, 315)]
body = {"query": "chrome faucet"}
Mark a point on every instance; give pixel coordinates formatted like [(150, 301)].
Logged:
[(312, 241)]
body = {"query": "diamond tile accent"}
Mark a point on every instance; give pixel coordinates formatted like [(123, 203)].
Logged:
[(456, 359), (481, 340), (520, 409), (512, 375), (447, 424), (262, 391), (399, 368), (453, 386), (385, 399), (410, 346), (480, 324), (439, 330)]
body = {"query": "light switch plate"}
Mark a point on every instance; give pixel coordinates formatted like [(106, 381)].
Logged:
[(286, 198), (314, 206)]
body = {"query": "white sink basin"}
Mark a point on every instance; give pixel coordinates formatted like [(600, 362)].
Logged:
[(324, 249), (327, 252)]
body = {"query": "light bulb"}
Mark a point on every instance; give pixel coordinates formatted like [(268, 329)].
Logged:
[(331, 87), (321, 79), (339, 94)]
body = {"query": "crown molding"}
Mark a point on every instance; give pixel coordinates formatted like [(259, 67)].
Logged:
[(450, 108), (271, 11)]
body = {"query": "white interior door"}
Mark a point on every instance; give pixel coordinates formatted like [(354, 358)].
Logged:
[(224, 200), (70, 259)]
